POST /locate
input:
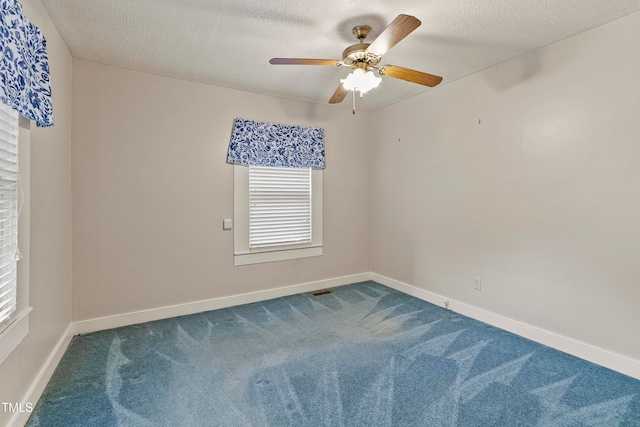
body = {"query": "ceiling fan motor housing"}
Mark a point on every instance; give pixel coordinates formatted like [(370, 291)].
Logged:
[(356, 55)]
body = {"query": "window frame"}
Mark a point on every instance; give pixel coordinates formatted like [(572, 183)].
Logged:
[(242, 253), (17, 328)]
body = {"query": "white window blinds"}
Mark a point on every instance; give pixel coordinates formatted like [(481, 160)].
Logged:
[(279, 206), (9, 126)]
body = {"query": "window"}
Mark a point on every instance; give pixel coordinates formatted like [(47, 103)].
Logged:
[(279, 206), (14, 208), (277, 213), (8, 212)]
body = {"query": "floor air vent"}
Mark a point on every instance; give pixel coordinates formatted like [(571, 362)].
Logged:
[(321, 293)]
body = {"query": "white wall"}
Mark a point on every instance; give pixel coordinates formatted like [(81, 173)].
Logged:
[(50, 227), (151, 187), (525, 175)]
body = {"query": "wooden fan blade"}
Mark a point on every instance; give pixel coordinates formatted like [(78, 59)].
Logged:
[(410, 75), (305, 61), (338, 95), (400, 28)]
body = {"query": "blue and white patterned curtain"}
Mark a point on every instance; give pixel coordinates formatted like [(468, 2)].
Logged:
[(271, 144), (24, 65)]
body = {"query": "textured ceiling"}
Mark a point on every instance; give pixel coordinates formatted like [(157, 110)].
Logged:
[(229, 42)]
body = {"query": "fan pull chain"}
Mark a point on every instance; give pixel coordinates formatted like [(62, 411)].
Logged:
[(353, 93)]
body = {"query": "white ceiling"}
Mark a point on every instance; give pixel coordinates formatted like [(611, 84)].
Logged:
[(229, 42)]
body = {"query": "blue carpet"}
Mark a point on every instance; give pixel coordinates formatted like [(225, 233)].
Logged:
[(364, 355)]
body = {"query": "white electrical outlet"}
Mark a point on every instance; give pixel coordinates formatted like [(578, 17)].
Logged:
[(477, 283)]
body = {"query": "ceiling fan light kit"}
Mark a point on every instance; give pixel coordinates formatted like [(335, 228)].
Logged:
[(360, 80), (365, 57)]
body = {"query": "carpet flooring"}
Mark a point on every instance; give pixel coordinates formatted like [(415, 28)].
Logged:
[(363, 355)]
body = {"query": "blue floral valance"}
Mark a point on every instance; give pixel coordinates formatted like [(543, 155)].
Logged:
[(24, 66), (271, 144)]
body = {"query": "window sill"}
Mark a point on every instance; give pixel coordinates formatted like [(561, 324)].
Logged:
[(13, 335), (280, 255)]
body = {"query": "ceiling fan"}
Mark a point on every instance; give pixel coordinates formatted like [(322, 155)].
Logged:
[(366, 57)]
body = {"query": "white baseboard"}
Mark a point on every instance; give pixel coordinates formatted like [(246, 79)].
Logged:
[(600, 356), (36, 388), (125, 319)]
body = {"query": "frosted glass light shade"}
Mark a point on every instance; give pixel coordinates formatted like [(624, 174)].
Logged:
[(360, 80)]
